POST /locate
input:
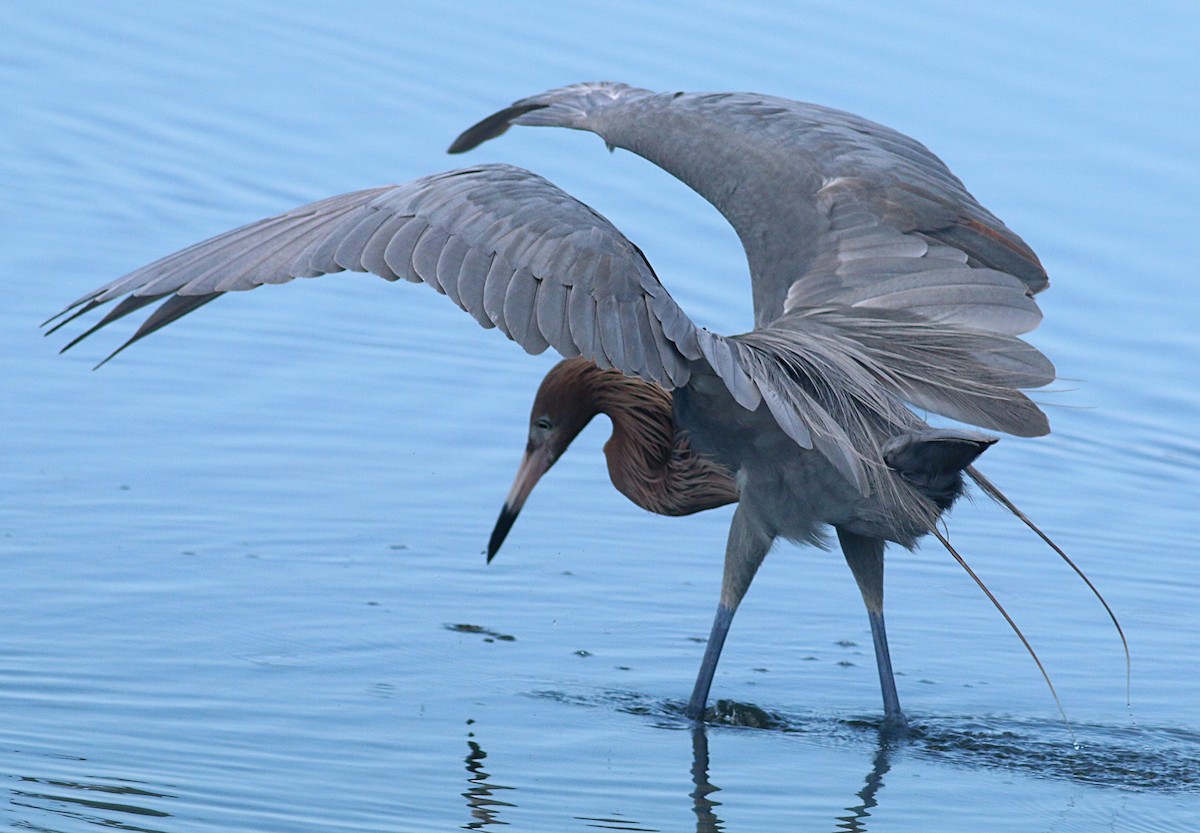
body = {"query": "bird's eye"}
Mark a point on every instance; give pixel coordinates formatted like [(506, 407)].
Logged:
[(543, 423)]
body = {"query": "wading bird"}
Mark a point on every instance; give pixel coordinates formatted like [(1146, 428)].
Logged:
[(879, 283)]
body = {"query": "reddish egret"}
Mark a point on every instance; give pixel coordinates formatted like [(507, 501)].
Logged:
[(879, 283)]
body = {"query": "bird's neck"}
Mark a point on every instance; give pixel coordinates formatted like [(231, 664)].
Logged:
[(649, 461)]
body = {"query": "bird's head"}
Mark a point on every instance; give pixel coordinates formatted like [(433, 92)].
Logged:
[(564, 405)]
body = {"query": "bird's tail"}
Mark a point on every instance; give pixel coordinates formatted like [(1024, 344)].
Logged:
[(1007, 618), (991, 490)]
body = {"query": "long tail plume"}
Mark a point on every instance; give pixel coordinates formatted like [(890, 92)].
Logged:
[(1012, 624), (995, 494)]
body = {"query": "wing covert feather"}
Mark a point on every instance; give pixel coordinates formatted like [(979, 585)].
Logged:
[(506, 245), (805, 187)]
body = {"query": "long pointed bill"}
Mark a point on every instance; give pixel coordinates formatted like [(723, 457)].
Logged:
[(533, 466)]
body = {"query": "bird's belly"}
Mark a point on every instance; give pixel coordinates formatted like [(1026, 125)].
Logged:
[(798, 495), (792, 492)]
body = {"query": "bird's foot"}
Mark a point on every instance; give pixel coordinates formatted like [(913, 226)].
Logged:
[(895, 727)]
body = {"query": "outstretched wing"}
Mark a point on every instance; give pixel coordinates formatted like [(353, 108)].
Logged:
[(506, 245), (875, 273), (830, 207), (873, 268)]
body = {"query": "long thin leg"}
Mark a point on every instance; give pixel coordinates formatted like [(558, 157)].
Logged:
[(708, 666), (865, 557), (744, 552)]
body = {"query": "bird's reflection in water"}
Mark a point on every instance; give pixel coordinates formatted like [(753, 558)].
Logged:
[(704, 807), (481, 801), (485, 807), (859, 813)]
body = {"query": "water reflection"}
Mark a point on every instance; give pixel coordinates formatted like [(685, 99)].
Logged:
[(615, 824), (1137, 757), (856, 821), (93, 803), (704, 807), (484, 806), (1131, 758)]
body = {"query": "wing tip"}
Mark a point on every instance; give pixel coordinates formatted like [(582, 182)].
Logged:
[(491, 127)]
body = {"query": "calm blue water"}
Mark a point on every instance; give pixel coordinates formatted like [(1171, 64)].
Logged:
[(231, 557)]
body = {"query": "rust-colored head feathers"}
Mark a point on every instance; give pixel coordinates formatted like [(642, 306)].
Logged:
[(649, 460)]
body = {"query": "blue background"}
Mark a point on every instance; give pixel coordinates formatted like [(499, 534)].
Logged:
[(229, 557)]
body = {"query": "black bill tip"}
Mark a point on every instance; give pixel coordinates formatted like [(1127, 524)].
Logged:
[(500, 531)]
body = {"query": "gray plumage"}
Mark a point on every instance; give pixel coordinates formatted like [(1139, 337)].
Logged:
[(878, 280)]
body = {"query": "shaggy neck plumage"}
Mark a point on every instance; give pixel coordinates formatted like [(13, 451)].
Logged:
[(649, 461)]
